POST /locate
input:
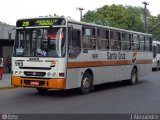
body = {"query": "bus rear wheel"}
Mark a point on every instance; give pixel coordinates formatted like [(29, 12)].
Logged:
[(86, 83), (42, 90), (158, 65), (134, 77)]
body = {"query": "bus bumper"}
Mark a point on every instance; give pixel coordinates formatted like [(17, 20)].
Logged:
[(48, 83)]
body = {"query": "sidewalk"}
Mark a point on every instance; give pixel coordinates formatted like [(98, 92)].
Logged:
[(5, 82)]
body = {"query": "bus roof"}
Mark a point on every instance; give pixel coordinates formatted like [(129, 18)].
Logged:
[(69, 20)]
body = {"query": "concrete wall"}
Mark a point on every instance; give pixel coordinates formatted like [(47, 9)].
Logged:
[(4, 29)]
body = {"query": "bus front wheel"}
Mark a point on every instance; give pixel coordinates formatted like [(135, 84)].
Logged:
[(86, 83)]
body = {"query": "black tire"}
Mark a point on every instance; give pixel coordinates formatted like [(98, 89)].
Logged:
[(0, 77), (134, 77), (42, 90), (86, 83), (156, 68), (158, 65)]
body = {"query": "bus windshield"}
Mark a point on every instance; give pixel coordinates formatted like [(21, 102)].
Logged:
[(48, 42)]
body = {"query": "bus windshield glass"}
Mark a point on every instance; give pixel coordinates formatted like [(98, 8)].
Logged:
[(48, 42)]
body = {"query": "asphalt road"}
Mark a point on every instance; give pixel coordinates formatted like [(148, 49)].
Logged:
[(109, 98)]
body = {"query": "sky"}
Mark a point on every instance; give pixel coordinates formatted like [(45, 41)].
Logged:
[(11, 10)]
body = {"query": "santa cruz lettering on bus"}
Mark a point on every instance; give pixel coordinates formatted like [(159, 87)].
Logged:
[(115, 56)]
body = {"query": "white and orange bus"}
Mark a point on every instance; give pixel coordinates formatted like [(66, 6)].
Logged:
[(156, 55), (60, 53)]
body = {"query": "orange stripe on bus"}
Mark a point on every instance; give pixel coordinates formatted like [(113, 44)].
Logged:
[(97, 63), (105, 63), (144, 61)]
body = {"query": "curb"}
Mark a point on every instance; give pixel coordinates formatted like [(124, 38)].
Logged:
[(7, 87)]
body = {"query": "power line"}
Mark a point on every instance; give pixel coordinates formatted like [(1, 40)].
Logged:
[(154, 26)]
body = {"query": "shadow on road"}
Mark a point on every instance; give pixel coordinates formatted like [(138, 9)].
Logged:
[(97, 88)]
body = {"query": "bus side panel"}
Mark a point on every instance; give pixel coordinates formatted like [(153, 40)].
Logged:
[(144, 69), (73, 76), (112, 73), (102, 74), (144, 63), (126, 72), (106, 74)]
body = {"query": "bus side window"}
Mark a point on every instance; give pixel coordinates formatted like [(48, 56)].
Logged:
[(142, 43), (103, 39), (154, 50), (148, 44), (74, 43), (126, 42), (135, 42), (115, 37), (89, 38)]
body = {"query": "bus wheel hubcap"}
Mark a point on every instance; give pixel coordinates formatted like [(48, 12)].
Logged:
[(86, 83)]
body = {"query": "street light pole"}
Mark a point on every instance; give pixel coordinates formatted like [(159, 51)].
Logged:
[(145, 15), (80, 9)]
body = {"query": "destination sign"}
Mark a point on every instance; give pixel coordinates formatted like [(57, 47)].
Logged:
[(40, 22)]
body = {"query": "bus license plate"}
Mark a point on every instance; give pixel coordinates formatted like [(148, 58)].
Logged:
[(36, 83)]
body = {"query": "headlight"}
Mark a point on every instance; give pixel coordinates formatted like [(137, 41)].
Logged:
[(16, 72), (20, 72), (49, 74), (54, 74)]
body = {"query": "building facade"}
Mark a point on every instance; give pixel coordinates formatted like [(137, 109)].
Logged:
[(6, 42)]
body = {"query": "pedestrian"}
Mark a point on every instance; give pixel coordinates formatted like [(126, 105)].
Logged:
[(8, 63)]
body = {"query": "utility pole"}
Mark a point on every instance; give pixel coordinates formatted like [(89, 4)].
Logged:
[(80, 9), (145, 15)]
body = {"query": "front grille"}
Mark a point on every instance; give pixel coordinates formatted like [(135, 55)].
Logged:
[(27, 82), (28, 73), (36, 68)]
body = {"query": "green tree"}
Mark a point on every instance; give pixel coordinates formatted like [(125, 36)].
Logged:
[(125, 17), (154, 26), (135, 21)]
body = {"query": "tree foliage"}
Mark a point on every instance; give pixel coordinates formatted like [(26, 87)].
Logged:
[(124, 17), (154, 26)]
